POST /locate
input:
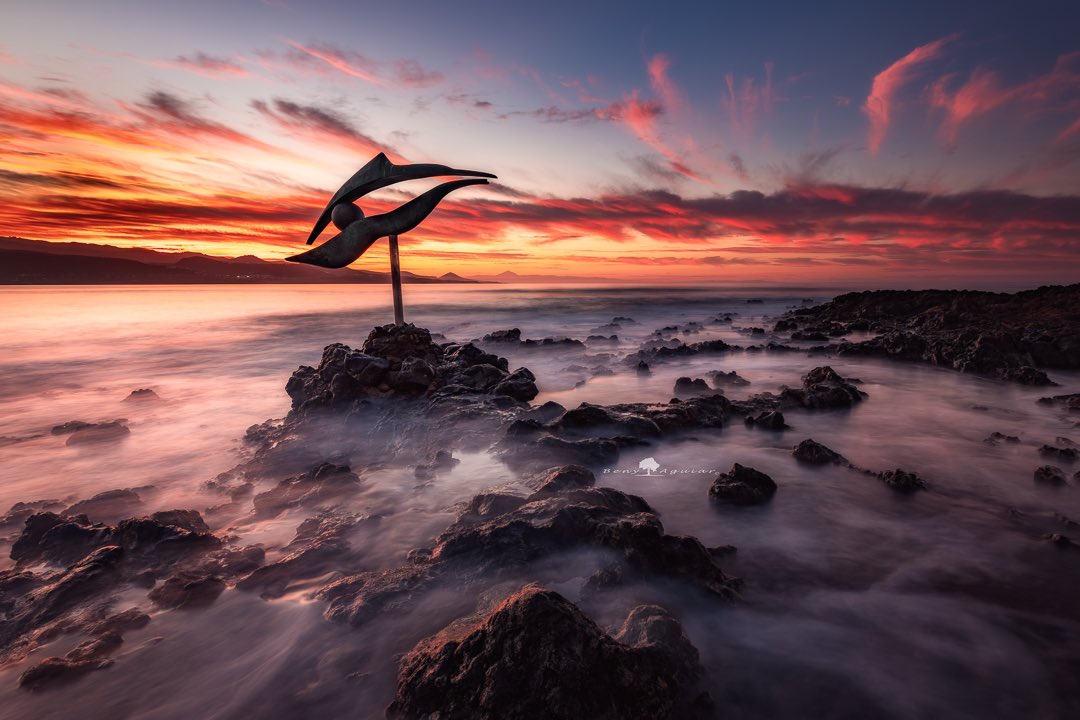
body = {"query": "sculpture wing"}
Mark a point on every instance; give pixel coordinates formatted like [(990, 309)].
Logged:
[(345, 247), (379, 173)]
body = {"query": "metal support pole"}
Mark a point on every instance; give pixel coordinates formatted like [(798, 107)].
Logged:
[(395, 279)]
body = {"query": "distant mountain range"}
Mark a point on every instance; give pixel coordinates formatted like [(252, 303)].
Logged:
[(35, 262)]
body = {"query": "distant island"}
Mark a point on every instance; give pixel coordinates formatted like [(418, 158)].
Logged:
[(37, 262)]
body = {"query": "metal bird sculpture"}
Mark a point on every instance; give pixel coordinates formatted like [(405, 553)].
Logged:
[(358, 233)]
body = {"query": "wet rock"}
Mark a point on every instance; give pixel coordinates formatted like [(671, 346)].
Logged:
[(441, 461), (695, 386), (808, 335), (768, 420), (513, 335), (1026, 376), (109, 504), (142, 395), (18, 513), (320, 484), (562, 479), (547, 412), (96, 571), (99, 433), (520, 385), (473, 552), (991, 334), (414, 377), (720, 378), (1050, 475), (1070, 402), (996, 438), (70, 426), (187, 590), (785, 326), (402, 362), (602, 339), (902, 481), (823, 388), (488, 505), (1062, 541), (643, 368), (742, 486), (90, 655), (319, 546), (537, 655), (814, 453), (186, 519), (1066, 454), (121, 622)]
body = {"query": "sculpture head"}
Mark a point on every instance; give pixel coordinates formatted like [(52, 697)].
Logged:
[(344, 214)]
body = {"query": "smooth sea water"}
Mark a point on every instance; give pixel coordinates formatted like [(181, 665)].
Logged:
[(858, 602)]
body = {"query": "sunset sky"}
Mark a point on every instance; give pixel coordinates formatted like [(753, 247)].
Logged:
[(923, 144)]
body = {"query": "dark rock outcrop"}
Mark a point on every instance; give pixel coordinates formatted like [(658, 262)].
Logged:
[(742, 486), (692, 386), (320, 484), (498, 536), (768, 420), (403, 362), (993, 334), (902, 481), (1050, 475), (823, 388), (536, 655), (814, 453)]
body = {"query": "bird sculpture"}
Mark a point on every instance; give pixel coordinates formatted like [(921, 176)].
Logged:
[(358, 233)]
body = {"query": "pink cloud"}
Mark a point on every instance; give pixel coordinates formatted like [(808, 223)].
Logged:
[(662, 85), (206, 65), (983, 92), (348, 63), (747, 103), (879, 105)]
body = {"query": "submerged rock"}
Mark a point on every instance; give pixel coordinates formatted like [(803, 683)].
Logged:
[(92, 654), (536, 655), (499, 535), (142, 395), (188, 589), (108, 504), (742, 485), (1050, 474), (695, 386), (728, 378), (1067, 454), (768, 420), (823, 388), (320, 484), (98, 433), (814, 453), (903, 481)]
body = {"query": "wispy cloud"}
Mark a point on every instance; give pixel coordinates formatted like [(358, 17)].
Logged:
[(880, 105), (321, 124), (206, 65)]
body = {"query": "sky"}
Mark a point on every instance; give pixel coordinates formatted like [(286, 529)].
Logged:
[(904, 144)]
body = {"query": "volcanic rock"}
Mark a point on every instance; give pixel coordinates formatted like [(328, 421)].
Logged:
[(742, 486), (537, 655), (814, 453)]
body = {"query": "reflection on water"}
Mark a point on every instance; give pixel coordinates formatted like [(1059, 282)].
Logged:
[(935, 605)]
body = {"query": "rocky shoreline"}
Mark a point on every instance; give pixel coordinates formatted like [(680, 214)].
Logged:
[(405, 400)]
